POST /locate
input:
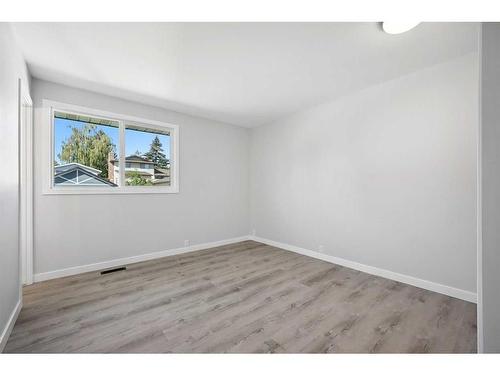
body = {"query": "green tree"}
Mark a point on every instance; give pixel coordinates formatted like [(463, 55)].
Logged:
[(156, 154), (135, 179), (88, 146)]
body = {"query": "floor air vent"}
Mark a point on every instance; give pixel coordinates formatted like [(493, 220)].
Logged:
[(113, 270)]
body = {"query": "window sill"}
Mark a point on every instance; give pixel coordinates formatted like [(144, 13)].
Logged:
[(110, 191)]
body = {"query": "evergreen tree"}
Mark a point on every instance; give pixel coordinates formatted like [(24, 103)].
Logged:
[(155, 153), (88, 146)]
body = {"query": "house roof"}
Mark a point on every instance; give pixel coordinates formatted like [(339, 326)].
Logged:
[(162, 172), (134, 158), (70, 169), (138, 158), (70, 166)]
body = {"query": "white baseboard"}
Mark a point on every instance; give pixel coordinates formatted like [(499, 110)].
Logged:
[(10, 325), (134, 259), (424, 284)]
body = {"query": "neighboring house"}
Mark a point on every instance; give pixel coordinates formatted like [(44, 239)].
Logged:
[(137, 164), (79, 174)]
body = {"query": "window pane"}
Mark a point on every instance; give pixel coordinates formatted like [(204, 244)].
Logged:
[(85, 151), (147, 156)]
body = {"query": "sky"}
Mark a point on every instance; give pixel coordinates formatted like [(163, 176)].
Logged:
[(134, 140)]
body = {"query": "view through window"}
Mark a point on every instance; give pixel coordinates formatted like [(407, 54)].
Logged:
[(148, 156), (86, 153)]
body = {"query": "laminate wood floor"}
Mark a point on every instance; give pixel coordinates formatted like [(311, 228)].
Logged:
[(240, 298)]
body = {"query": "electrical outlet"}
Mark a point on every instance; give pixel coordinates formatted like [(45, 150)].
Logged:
[(321, 248), (186, 243)]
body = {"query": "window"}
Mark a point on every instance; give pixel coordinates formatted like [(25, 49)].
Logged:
[(84, 150), (89, 147), (149, 153)]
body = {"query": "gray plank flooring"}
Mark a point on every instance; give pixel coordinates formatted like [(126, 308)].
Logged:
[(240, 298)]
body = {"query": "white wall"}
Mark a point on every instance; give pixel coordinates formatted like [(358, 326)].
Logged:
[(12, 67), (385, 177), (77, 230), (489, 298)]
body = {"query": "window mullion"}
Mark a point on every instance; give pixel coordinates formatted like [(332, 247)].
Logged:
[(122, 154)]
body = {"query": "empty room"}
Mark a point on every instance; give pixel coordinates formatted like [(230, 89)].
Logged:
[(260, 187)]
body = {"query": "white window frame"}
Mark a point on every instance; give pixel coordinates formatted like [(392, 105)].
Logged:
[(49, 107)]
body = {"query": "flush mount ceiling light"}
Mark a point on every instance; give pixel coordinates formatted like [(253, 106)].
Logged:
[(398, 27)]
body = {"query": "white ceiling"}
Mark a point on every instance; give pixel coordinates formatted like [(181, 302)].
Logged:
[(246, 74)]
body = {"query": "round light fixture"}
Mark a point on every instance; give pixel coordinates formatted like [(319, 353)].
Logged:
[(398, 27)]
